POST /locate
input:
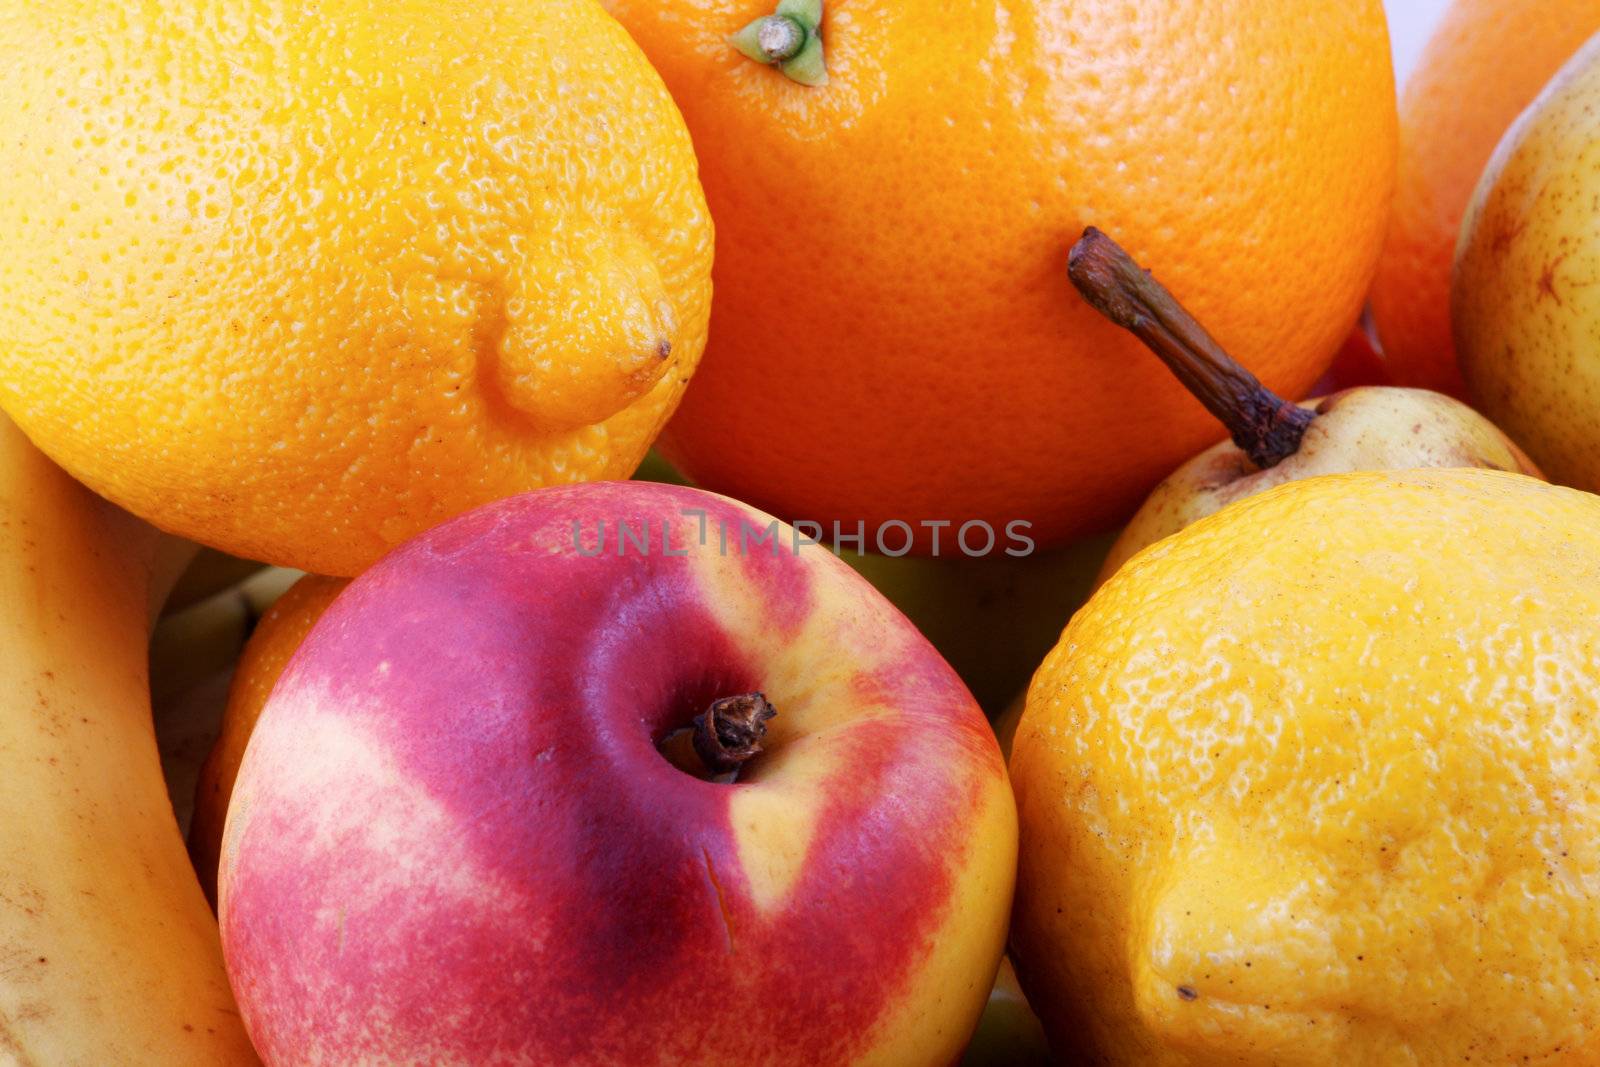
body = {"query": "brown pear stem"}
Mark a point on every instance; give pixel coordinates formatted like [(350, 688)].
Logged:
[(1267, 427), (729, 732)]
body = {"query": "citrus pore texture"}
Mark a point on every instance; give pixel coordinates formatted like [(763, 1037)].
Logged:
[(1315, 781), (299, 279), (894, 335)]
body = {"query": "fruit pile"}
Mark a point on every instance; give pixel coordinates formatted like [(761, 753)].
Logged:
[(377, 694)]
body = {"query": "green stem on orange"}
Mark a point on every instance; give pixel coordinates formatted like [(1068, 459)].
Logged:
[(790, 39), (1267, 427)]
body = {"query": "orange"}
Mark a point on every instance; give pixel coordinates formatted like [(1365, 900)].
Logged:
[(300, 278), (1485, 63), (274, 641), (893, 335)]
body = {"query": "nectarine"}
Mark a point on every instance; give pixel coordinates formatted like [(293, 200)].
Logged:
[(455, 837)]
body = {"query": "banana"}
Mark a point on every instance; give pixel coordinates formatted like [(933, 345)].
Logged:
[(108, 953)]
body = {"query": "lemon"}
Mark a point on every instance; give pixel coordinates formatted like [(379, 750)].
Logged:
[(1315, 781)]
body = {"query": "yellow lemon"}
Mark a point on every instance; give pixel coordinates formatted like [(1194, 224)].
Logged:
[(300, 278), (1315, 781)]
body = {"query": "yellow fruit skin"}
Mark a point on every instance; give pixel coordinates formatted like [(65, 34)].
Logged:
[(1367, 428), (1315, 782), (1524, 303), (300, 279), (111, 955)]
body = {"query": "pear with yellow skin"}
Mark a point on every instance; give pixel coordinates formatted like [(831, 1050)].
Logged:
[(1524, 304), (1366, 428)]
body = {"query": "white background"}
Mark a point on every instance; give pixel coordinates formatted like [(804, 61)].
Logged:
[(1410, 22)]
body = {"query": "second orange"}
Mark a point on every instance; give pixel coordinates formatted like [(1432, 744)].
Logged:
[(892, 334)]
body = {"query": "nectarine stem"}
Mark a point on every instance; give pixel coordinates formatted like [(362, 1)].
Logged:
[(729, 732), (1267, 427)]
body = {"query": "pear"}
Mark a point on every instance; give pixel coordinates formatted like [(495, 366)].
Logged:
[(1273, 441), (1524, 304)]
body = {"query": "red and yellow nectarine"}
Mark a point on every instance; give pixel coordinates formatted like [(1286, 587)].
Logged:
[(454, 839)]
